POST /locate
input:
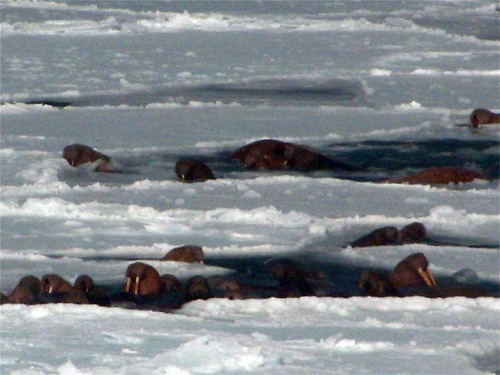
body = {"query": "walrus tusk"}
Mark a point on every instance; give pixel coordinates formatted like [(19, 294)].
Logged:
[(129, 281), (51, 289), (427, 276), (137, 285)]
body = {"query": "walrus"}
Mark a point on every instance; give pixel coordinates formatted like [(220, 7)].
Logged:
[(441, 176), (188, 254), (76, 296), (170, 283), (77, 154), (481, 116), (272, 154), (84, 283), (142, 279), (198, 288), (21, 295), (31, 282), (412, 233), (54, 284), (376, 285), (412, 271), (379, 237), (189, 170)]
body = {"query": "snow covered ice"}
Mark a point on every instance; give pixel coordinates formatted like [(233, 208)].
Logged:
[(385, 85)]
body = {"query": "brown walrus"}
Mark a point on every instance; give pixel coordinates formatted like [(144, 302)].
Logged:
[(170, 283), (375, 285), (412, 271), (481, 116), (188, 254), (142, 279), (22, 295), (379, 237), (77, 154), (412, 233), (54, 284), (441, 176), (76, 296), (84, 283), (198, 288), (188, 170), (272, 154), (33, 283)]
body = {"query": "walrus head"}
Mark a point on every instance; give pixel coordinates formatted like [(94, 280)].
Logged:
[(413, 271), (84, 283), (142, 279), (188, 170), (54, 284)]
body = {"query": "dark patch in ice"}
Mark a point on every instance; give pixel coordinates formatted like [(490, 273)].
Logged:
[(282, 91), (384, 158), (372, 161), (489, 362)]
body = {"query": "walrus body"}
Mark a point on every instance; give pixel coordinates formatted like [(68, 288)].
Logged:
[(188, 170), (77, 154), (188, 254), (379, 237), (481, 116), (441, 176), (271, 154)]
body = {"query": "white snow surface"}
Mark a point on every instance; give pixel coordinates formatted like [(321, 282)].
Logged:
[(135, 72)]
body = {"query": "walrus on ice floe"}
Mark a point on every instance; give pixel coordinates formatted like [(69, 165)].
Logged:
[(481, 116), (441, 176), (188, 254), (77, 154), (272, 154), (188, 170)]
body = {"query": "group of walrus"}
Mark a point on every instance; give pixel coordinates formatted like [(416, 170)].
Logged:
[(144, 287)]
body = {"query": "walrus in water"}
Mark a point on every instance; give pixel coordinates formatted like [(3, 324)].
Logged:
[(412, 233), (481, 116), (272, 154), (77, 154), (84, 283), (441, 176), (379, 237), (22, 295), (54, 284), (76, 296), (188, 254), (412, 271), (376, 285), (170, 283), (142, 279), (188, 170), (198, 288)]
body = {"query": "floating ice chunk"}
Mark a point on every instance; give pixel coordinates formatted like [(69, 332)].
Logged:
[(409, 106), (376, 72)]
